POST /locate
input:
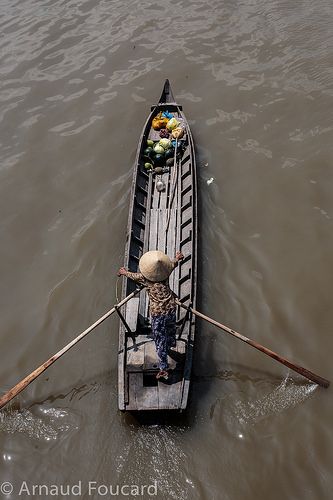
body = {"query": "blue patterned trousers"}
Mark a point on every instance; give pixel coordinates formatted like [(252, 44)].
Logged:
[(164, 335)]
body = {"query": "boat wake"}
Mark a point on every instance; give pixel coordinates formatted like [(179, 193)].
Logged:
[(161, 445), (52, 423), (283, 397)]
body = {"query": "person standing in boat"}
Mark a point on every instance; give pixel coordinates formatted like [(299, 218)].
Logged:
[(155, 269)]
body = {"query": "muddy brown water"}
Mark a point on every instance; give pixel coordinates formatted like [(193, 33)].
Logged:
[(255, 80)]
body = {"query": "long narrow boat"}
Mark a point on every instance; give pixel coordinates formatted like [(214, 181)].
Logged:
[(163, 220)]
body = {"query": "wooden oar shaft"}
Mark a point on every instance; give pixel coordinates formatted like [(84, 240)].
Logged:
[(30, 378), (299, 369)]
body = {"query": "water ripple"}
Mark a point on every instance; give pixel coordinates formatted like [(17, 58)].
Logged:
[(256, 80)]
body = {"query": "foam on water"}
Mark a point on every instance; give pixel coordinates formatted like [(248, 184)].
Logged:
[(161, 445), (285, 396), (51, 425)]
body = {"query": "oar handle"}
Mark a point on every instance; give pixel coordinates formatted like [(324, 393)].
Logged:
[(323, 382), (30, 378)]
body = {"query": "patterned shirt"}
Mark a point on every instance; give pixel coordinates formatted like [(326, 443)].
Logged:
[(161, 297)]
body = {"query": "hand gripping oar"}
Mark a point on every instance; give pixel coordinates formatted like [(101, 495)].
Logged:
[(299, 369), (30, 378)]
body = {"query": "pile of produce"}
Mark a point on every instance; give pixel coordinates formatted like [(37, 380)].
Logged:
[(159, 153), (168, 127)]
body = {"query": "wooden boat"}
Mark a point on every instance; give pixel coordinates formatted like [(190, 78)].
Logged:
[(160, 220)]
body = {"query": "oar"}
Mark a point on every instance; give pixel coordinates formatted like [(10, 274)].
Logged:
[(30, 378), (299, 369)]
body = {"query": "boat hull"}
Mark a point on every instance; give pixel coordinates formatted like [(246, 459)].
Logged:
[(160, 220)]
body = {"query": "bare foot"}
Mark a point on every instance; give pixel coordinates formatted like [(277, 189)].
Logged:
[(162, 374)]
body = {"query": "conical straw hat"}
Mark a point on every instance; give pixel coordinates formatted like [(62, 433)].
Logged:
[(155, 266)]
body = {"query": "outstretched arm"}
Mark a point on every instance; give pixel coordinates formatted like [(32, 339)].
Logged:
[(137, 277)]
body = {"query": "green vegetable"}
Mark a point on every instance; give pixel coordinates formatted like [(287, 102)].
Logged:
[(170, 153), (150, 143), (165, 143), (148, 165), (148, 151), (159, 159), (158, 149)]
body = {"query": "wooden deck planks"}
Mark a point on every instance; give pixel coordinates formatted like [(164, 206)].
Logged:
[(166, 394), (171, 243), (161, 236), (145, 357), (155, 195), (150, 356), (135, 358), (141, 397), (151, 360), (169, 395), (163, 396), (153, 242), (164, 194), (131, 315)]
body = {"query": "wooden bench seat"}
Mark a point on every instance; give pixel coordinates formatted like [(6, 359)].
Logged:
[(145, 357)]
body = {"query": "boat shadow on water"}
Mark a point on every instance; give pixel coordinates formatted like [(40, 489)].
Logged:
[(162, 418)]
